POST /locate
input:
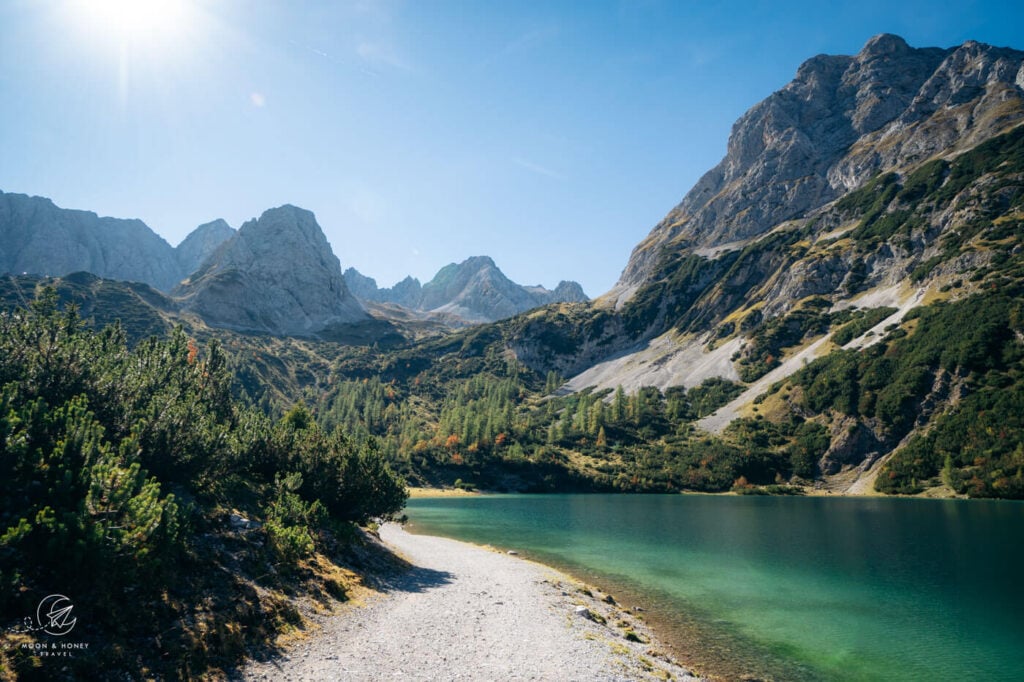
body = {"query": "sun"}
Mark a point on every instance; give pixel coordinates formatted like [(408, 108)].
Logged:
[(134, 20), (133, 17)]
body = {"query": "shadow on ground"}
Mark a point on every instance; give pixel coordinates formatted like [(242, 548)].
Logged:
[(377, 568)]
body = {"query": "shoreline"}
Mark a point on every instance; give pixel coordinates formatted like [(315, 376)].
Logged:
[(466, 611), (936, 493), (675, 642)]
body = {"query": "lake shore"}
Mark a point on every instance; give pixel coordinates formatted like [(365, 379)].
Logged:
[(468, 612), (417, 492)]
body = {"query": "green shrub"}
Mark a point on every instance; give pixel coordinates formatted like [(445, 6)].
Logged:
[(291, 520)]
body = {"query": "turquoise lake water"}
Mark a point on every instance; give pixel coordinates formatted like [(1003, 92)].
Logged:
[(785, 588)]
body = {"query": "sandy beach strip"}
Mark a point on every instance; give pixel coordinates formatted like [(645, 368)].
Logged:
[(464, 612)]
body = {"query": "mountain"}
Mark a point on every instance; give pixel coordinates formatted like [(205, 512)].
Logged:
[(276, 275), (200, 245), (474, 290), (821, 194), (838, 304), (362, 287), (408, 293), (854, 263), (141, 310), (841, 121), (43, 239)]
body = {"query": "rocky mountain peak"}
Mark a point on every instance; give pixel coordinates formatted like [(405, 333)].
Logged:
[(278, 275), (570, 292), (841, 121), (478, 262), (883, 45), (201, 243), (41, 238)]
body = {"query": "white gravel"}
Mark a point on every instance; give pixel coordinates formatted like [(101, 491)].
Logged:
[(665, 361), (470, 613)]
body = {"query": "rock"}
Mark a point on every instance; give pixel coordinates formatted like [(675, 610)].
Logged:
[(583, 612), (200, 244), (278, 275), (43, 239), (363, 287), (238, 522), (851, 442)]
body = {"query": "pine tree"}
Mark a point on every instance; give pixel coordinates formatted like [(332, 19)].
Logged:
[(619, 405)]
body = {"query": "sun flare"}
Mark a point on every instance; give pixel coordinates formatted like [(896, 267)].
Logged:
[(134, 19)]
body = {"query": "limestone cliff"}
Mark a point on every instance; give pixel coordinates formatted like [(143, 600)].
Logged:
[(842, 120), (42, 238), (276, 275), (200, 245)]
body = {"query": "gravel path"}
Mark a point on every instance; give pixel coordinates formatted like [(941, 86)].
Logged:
[(469, 613)]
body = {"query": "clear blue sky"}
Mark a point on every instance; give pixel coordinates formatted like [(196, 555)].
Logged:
[(549, 135)]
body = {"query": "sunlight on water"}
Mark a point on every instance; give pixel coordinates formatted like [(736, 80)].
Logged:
[(788, 588)]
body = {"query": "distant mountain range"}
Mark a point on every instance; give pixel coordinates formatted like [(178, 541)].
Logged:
[(41, 238), (474, 290), (277, 274)]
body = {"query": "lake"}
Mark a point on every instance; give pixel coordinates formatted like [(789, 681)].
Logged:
[(787, 588)]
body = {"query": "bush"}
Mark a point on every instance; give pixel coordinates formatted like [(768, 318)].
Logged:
[(291, 520)]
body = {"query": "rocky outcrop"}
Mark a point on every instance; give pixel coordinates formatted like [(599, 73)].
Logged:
[(852, 444), (842, 120), (276, 275), (41, 238), (362, 287), (474, 290), (200, 245), (565, 292)]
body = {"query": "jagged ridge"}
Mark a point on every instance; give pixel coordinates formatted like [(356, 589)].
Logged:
[(475, 290), (41, 238)]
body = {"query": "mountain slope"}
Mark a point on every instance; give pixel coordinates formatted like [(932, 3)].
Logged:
[(276, 275), (866, 216), (766, 227)]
